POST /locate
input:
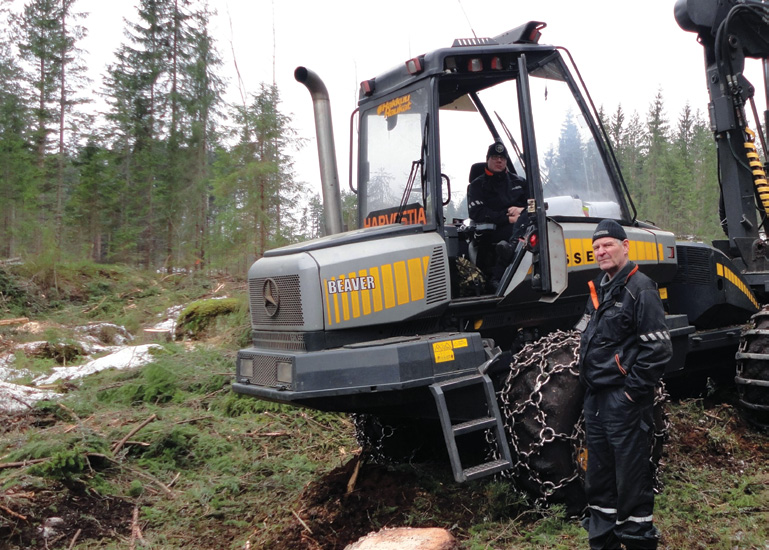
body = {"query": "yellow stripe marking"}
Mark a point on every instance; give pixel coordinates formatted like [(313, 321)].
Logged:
[(355, 299), (336, 306), (328, 302), (388, 289), (416, 279), (345, 304), (365, 295), (377, 291), (401, 283), (729, 275)]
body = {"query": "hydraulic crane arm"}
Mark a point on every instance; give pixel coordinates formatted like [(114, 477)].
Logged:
[(731, 31)]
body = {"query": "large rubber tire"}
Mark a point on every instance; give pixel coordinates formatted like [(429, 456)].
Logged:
[(542, 403), (752, 377)]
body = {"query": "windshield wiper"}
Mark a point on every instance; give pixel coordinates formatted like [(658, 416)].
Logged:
[(416, 165)]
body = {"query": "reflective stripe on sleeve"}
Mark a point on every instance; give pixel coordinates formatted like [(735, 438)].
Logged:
[(655, 336)]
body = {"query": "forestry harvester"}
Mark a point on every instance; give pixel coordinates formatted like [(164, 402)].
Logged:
[(395, 323)]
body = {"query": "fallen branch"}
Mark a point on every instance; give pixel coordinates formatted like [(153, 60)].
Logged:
[(191, 420), (75, 426), (138, 443), (22, 463), (268, 434), (20, 401), (119, 445), (302, 522), (136, 532), (12, 513), (154, 480), (90, 309), (139, 473), (70, 411), (354, 476), (176, 477), (74, 539)]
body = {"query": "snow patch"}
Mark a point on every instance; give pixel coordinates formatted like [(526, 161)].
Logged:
[(171, 315), (16, 398), (124, 358)]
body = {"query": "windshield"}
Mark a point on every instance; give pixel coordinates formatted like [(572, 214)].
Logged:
[(574, 176), (395, 133)]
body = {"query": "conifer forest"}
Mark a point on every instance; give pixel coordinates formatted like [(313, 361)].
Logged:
[(170, 176)]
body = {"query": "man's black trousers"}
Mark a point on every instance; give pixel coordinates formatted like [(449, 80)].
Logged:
[(619, 481)]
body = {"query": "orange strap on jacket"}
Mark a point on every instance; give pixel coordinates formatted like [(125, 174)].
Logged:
[(631, 274), (593, 295)]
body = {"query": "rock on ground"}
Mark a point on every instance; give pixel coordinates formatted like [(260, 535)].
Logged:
[(406, 538)]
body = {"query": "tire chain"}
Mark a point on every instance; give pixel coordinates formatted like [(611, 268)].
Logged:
[(370, 434), (536, 356), (754, 340)]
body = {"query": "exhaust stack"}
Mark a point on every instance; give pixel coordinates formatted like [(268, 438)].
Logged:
[(329, 176)]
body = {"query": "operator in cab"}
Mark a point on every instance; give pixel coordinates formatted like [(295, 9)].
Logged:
[(498, 196), (624, 347)]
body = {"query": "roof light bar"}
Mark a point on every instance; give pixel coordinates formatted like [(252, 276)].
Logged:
[(416, 65), (474, 65), (367, 87)]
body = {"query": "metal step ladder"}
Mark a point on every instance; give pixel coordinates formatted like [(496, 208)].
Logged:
[(492, 420)]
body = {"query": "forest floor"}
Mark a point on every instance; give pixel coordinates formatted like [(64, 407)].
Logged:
[(166, 456)]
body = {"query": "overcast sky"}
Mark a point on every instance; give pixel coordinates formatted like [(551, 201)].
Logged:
[(626, 51)]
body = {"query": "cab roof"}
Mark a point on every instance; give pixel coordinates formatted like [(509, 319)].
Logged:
[(483, 57)]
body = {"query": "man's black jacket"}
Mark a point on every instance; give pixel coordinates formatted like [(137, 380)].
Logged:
[(490, 195), (626, 342)]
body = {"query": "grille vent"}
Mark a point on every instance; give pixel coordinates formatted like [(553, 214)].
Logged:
[(289, 312), (288, 341), (694, 266), (436, 278)]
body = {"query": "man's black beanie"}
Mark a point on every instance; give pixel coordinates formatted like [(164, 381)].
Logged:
[(609, 228), (496, 148)]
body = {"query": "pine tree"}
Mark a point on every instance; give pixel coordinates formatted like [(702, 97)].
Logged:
[(201, 90), (654, 178), (94, 206), (256, 196), (17, 166)]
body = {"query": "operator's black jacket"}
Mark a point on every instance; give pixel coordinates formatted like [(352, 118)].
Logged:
[(490, 195), (626, 342)]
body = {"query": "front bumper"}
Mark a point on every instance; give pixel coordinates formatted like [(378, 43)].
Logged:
[(357, 377)]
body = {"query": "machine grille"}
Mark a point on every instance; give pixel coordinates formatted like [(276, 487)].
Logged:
[(288, 341), (436, 278), (261, 370), (288, 311), (694, 266)]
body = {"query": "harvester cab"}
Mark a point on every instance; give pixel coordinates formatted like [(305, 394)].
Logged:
[(426, 124)]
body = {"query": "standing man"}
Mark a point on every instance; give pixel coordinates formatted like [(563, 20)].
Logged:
[(624, 348), (498, 196)]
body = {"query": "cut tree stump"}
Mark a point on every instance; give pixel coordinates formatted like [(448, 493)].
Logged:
[(407, 538)]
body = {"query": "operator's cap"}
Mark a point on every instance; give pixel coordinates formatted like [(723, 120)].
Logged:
[(496, 148), (609, 228)]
